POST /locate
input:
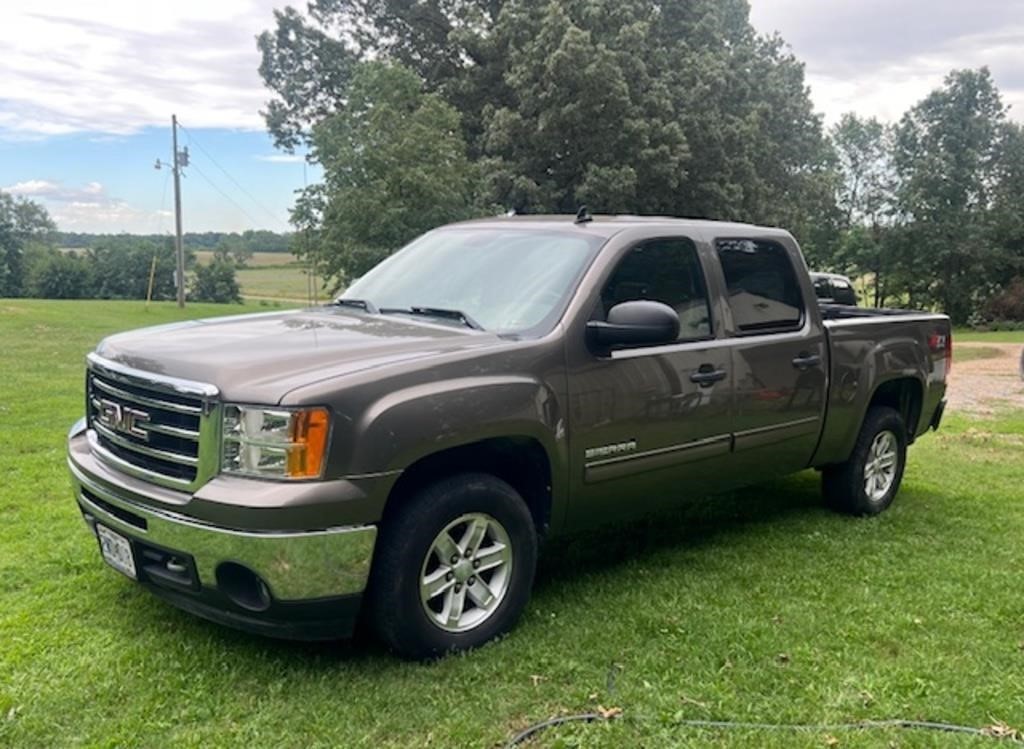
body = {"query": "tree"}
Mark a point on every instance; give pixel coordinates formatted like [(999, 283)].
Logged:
[(52, 274), (216, 283), (235, 250), (865, 197), (946, 156), (586, 121), (122, 266), (395, 166), (307, 69), (1008, 197), (22, 222), (308, 61), (646, 106)]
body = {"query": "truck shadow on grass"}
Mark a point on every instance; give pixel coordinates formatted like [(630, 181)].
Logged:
[(696, 522), (699, 522)]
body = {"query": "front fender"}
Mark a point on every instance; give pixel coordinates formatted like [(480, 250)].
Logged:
[(412, 423)]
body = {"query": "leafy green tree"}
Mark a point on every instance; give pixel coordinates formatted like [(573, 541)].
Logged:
[(216, 282), (23, 222), (586, 121), (307, 68), (646, 106), (395, 166), (1008, 199), (234, 249), (865, 197), (946, 155), (122, 265), (53, 274)]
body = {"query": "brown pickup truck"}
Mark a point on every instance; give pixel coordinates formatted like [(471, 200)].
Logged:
[(401, 453)]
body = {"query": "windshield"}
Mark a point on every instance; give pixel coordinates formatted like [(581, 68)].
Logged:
[(507, 280)]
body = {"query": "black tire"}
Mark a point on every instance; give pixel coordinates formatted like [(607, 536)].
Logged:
[(843, 485), (398, 615)]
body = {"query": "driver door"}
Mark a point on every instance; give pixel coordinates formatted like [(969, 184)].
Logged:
[(651, 426)]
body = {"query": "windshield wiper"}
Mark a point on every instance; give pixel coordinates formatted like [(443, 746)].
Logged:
[(448, 314), (363, 304)]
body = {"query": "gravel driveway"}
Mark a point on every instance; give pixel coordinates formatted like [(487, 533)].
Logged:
[(984, 386)]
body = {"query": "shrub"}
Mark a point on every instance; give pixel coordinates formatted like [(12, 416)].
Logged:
[(1007, 305), (216, 282), (122, 266), (60, 275)]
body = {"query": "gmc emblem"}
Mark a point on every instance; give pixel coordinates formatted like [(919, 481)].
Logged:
[(122, 419)]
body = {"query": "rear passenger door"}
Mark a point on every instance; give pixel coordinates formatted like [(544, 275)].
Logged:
[(650, 425), (778, 357)]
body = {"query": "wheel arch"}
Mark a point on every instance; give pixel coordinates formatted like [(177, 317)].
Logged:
[(905, 395), (521, 461)]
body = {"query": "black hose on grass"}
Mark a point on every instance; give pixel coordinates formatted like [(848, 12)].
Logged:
[(994, 732)]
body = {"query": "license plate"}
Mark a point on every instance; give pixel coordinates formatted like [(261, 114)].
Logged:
[(117, 551)]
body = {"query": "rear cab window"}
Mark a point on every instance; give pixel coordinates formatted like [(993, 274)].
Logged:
[(822, 288), (763, 290), (843, 293)]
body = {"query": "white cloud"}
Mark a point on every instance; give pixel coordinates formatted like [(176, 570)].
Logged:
[(88, 207), (32, 187), (121, 65), (880, 57)]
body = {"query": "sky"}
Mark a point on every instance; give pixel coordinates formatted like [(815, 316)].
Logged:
[(88, 89)]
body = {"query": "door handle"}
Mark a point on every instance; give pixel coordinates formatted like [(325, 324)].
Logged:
[(806, 361), (707, 375)]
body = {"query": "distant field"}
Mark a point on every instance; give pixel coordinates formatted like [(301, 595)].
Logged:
[(285, 283), (272, 276), (258, 259)]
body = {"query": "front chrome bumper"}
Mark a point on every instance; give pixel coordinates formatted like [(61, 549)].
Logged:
[(296, 566)]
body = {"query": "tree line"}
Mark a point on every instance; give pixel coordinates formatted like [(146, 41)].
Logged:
[(249, 241), (429, 112), (111, 267)]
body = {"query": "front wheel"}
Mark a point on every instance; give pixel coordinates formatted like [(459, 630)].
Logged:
[(867, 482), (454, 567)]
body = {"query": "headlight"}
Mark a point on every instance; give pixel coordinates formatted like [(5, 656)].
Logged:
[(275, 442)]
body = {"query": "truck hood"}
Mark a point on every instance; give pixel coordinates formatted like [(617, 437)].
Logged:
[(260, 358)]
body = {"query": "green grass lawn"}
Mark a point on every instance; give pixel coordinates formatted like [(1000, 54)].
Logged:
[(759, 605), (974, 336), (971, 353)]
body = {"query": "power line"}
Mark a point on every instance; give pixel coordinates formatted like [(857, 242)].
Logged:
[(234, 202), (157, 221), (194, 141)]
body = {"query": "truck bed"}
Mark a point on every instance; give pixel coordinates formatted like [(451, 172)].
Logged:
[(831, 311), (869, 348)]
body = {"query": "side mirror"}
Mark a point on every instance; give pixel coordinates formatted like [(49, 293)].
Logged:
[(639, 323)]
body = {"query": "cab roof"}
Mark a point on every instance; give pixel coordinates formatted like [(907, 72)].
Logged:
[(608, 225)]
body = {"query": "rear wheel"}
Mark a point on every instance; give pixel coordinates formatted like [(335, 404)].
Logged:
[(867, 483), (453, 568)]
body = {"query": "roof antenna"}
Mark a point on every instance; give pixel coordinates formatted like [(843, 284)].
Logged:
[(583, 216)]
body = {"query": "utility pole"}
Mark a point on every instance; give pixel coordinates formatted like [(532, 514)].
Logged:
[(178, 248), (180, 160)]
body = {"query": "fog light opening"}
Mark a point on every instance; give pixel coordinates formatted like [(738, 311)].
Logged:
[(243, 586)]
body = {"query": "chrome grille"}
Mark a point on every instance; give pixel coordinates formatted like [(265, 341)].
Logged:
[(158, 428)]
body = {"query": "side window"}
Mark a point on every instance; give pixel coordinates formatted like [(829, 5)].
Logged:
[(667, 271), (763, 290)]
